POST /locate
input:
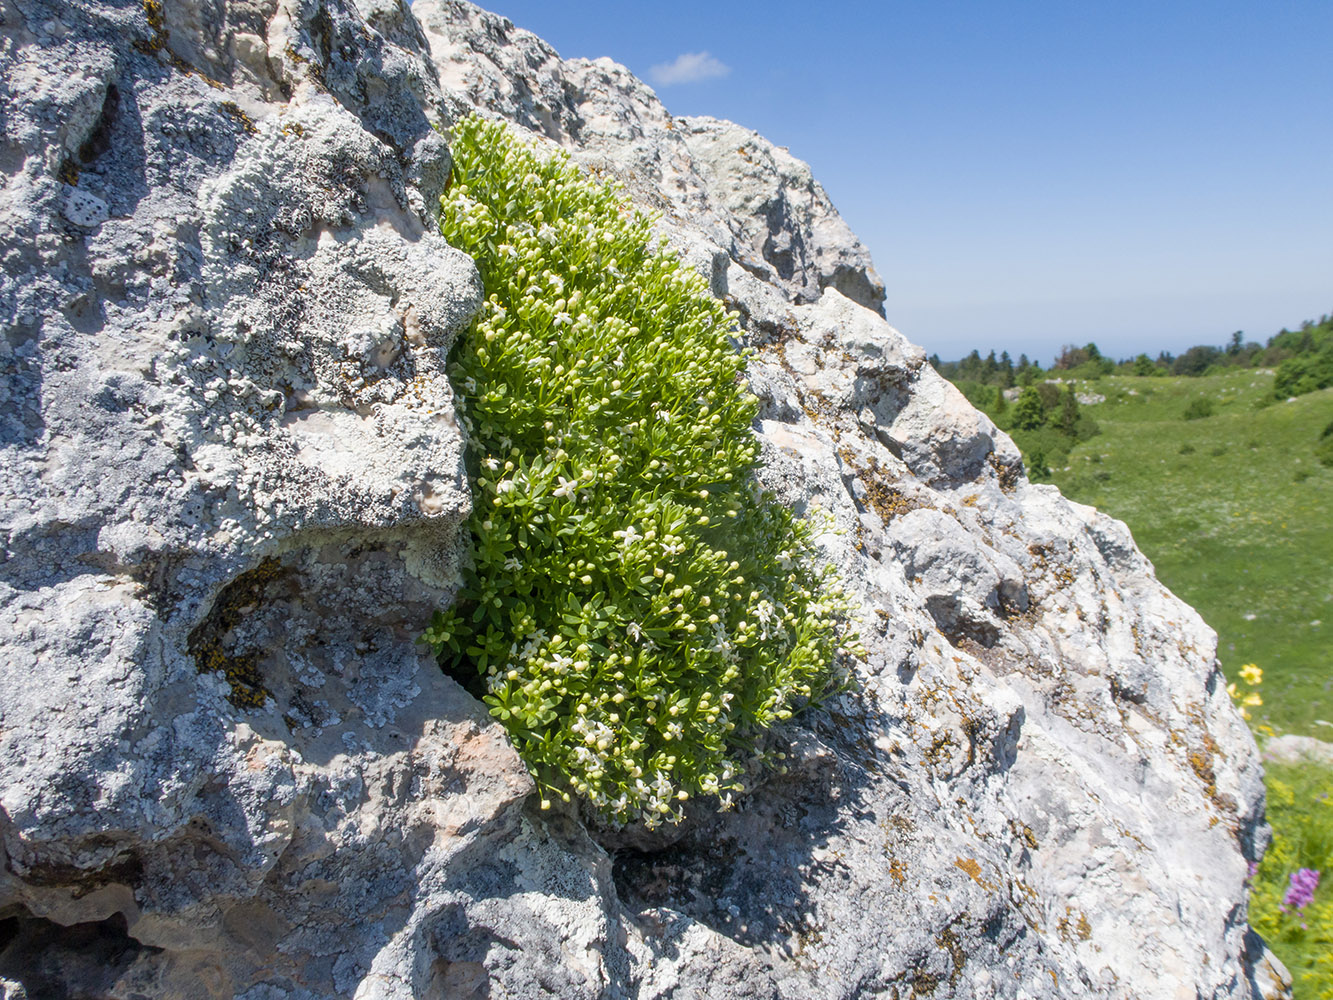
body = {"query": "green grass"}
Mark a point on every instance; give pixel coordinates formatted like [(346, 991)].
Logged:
[(1236, 514), (1300, 807)]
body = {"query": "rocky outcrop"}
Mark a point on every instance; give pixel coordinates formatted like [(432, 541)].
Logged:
[(232, 481), (747, 197)]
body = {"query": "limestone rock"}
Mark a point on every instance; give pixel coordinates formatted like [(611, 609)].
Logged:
[(230, 485), (752, 199), (1289, 749)]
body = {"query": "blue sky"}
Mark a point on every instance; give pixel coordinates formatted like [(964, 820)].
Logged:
[(1029, 173)]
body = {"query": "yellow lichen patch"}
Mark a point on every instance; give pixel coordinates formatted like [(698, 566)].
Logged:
[(886, 501), (234, 112), (157, 23), (1006, 473), (1072, 929)]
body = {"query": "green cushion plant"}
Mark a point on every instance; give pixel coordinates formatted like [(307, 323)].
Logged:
[(638, 611)]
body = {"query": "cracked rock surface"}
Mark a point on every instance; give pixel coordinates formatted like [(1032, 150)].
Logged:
[(231, 482)]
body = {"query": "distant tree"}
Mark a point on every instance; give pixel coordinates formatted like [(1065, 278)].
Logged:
[(1197, 360), (1006, 369), (1237, 343), (989, 368), (1071, 357), (1065, 418), (1029, 411), (935, 362), (969, 369), (1143, 365), (1001, 404), (1299, 375)]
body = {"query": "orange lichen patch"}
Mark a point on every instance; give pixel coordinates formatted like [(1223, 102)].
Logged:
[(974, 872), (233, 111), (971, 867), (898, 871)]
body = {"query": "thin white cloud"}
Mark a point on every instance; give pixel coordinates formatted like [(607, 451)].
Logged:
[(689, 67)]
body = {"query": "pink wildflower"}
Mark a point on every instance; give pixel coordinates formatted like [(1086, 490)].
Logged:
[(1301, 891)]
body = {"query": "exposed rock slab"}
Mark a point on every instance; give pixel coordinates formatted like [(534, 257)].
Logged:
[(231, 483)]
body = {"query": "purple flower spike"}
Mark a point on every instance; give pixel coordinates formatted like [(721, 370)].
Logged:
[(1301, 891)]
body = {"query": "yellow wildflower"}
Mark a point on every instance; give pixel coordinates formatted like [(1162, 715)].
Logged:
[(1252, 674)]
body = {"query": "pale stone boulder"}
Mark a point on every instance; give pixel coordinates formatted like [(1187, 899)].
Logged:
[(231, 482)]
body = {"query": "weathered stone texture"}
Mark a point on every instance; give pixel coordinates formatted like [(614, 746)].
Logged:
[(230, 486)]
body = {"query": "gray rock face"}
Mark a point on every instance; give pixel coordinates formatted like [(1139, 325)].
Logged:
[(750, 198), (230, 486)]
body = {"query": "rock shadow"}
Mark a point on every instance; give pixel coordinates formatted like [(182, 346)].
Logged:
[(750, 874)]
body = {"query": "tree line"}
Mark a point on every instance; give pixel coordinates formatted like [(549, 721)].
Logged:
[(1302, 358)]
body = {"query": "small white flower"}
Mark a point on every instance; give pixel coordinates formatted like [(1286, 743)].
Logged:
[(504, 486), (562, 319), (567, 487), (492, 464), (628, 537), (633, 631), (720, 643)]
